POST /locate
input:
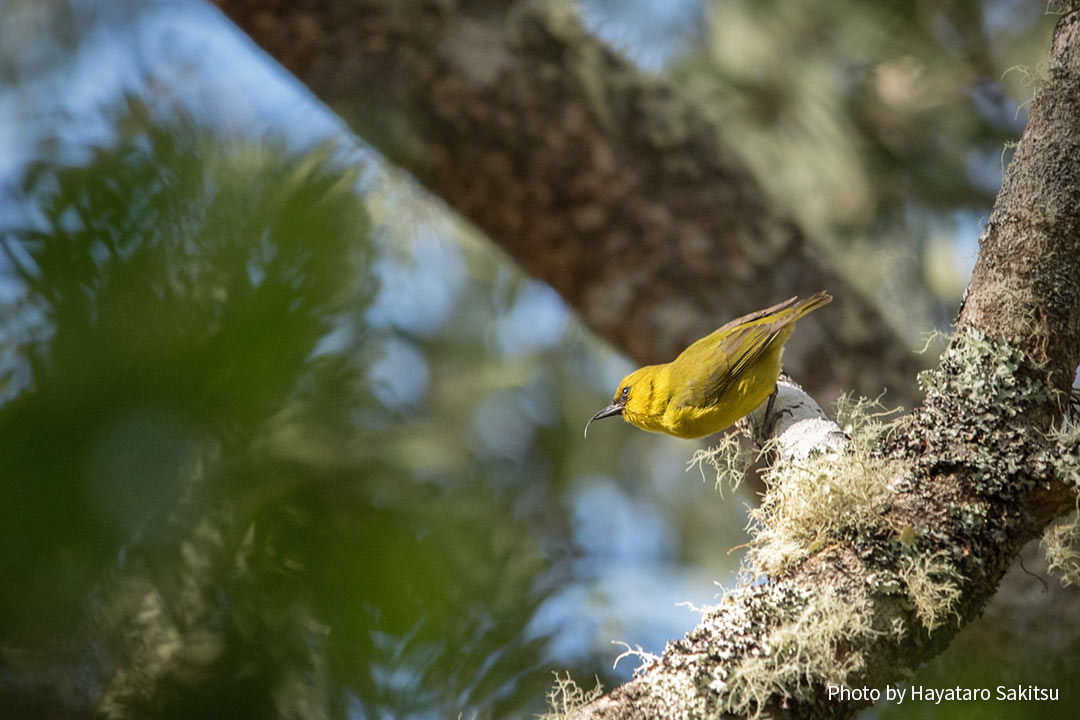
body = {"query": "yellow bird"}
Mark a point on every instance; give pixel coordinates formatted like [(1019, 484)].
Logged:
[(717, 380)]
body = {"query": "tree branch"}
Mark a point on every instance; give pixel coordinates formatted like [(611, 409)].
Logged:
[(597, 178)]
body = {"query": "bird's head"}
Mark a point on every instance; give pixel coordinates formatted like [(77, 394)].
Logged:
[(633, 398)]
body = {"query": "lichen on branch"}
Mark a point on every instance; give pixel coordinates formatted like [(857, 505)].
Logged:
[(865, 563), (823, 498)]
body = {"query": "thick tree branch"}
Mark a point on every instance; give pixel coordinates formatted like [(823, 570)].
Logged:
[(1025, 287), (964, 482), (597, 178)]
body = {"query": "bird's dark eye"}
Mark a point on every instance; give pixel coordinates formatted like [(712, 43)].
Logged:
[(625, 391)]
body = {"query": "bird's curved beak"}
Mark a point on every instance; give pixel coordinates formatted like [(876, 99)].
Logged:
[(609, 411)]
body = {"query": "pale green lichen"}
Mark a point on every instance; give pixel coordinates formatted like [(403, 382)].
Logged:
[(1064, 450), (729, 460), (645, 659), (897, 628), (982, 373), (1061, 547), (933, 586), (823, 499), (815, 646), (566, 696), (1061, 542)]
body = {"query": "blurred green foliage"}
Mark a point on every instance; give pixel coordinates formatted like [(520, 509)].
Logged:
[(279, 443), (196, 523)]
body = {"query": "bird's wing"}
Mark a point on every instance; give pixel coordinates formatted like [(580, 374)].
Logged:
[(736, 349), (736, 346), (741, 348), (757, 315)]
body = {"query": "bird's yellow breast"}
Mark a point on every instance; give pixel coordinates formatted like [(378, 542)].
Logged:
[(718, 413)]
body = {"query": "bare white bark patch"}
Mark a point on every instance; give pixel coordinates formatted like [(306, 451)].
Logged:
[(797, 425)]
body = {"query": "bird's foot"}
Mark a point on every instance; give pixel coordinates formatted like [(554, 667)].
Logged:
[(768, 420)]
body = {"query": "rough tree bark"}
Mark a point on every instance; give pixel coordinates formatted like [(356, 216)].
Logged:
[(597, 178)]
